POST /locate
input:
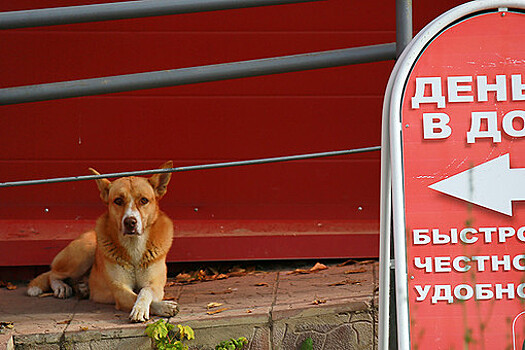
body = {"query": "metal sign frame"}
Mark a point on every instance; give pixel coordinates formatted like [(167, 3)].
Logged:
[(392, 214)]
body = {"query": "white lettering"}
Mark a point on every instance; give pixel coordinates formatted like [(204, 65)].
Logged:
[(435, 126), (517, 88), (496, 263), (488, 231), (521, 234), (483, 292), (438, 238), (454, 88), (423, 292), (504, 233), (442, 263), (516, 262), (481, 260), (457, 266), (420, 238), (476, 127), (509, 290), (500, 87), (467, 235), (508, 123), (436, 94), (427, 265), (469, 292), (442, 292), (519, 290)]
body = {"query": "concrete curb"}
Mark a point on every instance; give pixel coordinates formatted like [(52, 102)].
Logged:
[(277, 313)]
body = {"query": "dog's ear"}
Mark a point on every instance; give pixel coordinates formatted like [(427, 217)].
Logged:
[(159, 182), (103, 186)]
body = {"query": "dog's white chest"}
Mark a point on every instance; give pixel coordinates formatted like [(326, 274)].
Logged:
[(135, 246)]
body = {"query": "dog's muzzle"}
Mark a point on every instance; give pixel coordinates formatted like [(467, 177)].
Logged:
[(130, 226)]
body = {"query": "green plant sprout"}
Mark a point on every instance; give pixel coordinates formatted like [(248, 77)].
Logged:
[(232, 344), (167, 336)]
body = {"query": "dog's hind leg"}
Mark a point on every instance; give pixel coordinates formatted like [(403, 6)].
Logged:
[(39, 285), (74, 261)]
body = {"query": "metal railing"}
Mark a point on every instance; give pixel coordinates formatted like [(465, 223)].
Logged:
[(192, 75), (182, 76)]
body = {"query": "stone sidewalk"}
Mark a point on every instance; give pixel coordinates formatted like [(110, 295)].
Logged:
[(336, 307)]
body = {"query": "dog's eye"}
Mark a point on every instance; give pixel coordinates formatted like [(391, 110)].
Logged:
[(118, 201), (144, 201)]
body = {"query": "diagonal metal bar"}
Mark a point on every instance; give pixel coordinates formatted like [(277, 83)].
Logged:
[(192, 75), (124, 10), (192, 167)]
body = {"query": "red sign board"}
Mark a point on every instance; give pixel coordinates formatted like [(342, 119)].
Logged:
[(463, 122)]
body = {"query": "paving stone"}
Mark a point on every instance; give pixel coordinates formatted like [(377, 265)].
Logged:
[(273, 310)]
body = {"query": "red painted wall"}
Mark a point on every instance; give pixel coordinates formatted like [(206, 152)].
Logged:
[(306, 209)]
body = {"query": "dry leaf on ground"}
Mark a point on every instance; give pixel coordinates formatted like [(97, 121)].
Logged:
[(298, 272), (45, 295), (355, 270), (217, 311), (220, 276), (345, 282), (213, 305), (226, 291), (318, 267), (262, 284), (318, 301), (348, 262), (8, 325)]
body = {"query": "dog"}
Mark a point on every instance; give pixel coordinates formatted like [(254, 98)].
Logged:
[(123, 259)]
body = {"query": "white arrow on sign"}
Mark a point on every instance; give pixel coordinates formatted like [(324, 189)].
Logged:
[(492, 185)]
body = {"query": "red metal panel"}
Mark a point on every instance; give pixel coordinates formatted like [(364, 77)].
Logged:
[(329, 109)]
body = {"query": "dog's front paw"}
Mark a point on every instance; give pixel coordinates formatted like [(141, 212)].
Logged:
[(61, 289), (165, 308), (34, 291), (139, 313)]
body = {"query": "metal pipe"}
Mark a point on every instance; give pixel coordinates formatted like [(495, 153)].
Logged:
[(123, 10), (192, 75), (193, 167), (403, 24)]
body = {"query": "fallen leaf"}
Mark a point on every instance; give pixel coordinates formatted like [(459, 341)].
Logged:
[(183, 277), (83, 328), (298, 272), (201, 275), (356, 270), (366, 262), (237, 271), (318, 301), (318, 267), (262, 284), (345, 282), (8, 325), (217, 311), (226, 291), (348, 262), (10, 286), (64, 322), (221, 276), (45, 295), (213, 305), (249, 311)]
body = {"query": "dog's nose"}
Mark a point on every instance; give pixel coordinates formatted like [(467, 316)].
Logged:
[(130, 223)]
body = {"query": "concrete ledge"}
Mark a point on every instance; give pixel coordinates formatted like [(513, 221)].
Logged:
[(274, 310)]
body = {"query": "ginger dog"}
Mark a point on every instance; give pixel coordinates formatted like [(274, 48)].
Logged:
[(125, 256)]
